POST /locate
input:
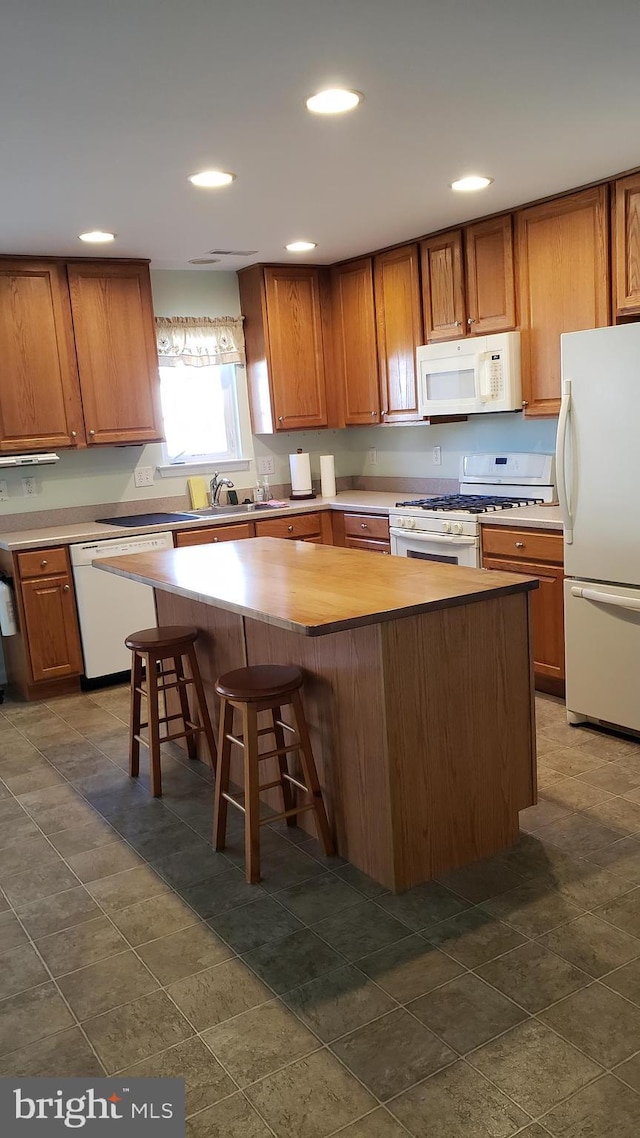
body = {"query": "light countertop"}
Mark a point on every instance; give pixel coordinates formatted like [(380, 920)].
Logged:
[(529, 517)]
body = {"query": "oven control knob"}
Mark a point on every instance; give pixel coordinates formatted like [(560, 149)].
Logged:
[(456, 527), (446, 527), (411, 523)]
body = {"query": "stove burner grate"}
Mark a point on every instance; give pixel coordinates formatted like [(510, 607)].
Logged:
[(471, 503)]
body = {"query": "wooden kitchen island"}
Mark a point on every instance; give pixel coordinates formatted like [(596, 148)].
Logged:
[(418, 686)]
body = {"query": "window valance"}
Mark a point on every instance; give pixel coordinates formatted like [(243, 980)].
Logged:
[(200, 340)]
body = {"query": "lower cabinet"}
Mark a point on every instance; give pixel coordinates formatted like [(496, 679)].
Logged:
[(301, 527), (535, 553), (362, 531), (210, 534)]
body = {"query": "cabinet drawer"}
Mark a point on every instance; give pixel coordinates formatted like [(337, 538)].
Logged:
[(303, 525), (42, 562), (367, 543), (366, 525), (210, 534), (530, 544)]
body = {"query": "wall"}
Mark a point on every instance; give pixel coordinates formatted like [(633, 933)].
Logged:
[(105, 474)]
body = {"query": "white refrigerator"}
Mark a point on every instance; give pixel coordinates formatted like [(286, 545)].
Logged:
[(598, 473)]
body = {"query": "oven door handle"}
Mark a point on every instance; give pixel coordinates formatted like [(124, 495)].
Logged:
[(439, 539)]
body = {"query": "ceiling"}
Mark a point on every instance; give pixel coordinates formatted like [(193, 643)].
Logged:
[(107, 105)]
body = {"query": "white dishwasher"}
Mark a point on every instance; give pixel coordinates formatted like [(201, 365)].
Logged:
[(110, 607)]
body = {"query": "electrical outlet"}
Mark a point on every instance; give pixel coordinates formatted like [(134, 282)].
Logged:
[(4, 491), (143, 476), (29, 487), (266, 465), (436, 456), (372, 456)]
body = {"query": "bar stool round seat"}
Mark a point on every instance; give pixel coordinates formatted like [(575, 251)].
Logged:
[(259, 682), (159, 656), (251, 691)]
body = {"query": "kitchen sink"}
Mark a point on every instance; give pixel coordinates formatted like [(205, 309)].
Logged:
[(222, 511)]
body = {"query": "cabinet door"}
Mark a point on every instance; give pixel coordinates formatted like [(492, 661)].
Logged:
[(212, 534), (307, 526), (626, 245), (116, 350), (296, 352), (51, 628), (356, 357), (548, 613), (563, 285), (491, 299), (443, 287), (40, 406), (399, 328)]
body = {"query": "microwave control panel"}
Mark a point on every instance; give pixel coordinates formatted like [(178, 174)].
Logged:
[(492, 382)]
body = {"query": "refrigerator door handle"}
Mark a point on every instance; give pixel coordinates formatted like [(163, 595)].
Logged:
[(606, 598), (561, 450)]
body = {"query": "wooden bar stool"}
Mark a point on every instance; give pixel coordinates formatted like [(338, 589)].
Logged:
[(152, 647), (264, 687)]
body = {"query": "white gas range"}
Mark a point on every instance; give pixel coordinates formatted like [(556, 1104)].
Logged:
[(448, 528)]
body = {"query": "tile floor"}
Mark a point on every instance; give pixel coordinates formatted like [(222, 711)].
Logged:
[(504, 999)]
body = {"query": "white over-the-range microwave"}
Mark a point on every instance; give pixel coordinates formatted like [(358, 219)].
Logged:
[(475, 376)]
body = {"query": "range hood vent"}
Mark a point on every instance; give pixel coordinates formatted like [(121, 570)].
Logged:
[(28, 459), (232, 252)]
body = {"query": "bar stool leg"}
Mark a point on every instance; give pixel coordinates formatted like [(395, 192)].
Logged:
[(251, 794), (185, 711), (222, 778), (288, 791), (154, 727), (311, 775), (205, 719), (136, 703)]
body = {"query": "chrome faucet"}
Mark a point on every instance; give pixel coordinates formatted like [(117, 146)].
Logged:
[(215, 486)]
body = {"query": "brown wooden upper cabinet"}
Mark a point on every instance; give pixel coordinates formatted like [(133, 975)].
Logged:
[(471, 294), (355, 349), (79, 354), (284, 311), (563, 285), (399, 331), (626, 246)]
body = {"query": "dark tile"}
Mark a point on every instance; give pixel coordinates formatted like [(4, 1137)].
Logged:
[(17, 828), (455, 1102), (622, 858), (221, 992), (576, 794), (571, 760), (424, 905), (378, 1124), (391, 1053), (542, 814), (127, 888), (57, 808), (65, 1055), (599, 1022), (533, 976), (409, 968), (310, 1098), (183, 953), (339, 1002), (624, 913), (617, 777), (61, 911), (618, 813), (205, 1080), (579, 834), (481, 880), (626, 981), (254, 924), (320, 897), (131, 1033), (217, 894), (39, 778), (558, 1069), (188, 867), (532, 908), (359, 880), (630, 1072), (474, 937), (361, 929), (157, 843), (232, 1118), (155, 917), (282, 870), (592, 944), (11, 932), (586, 885), (466, 1012), (75, 760), (605, 1108), (259, 1041), (287, 963), (103, 861), (31, 1016), (34, 884), (532, 857), (107, 984), (20, 968), (34, 852), (84, 944), (91, 836)]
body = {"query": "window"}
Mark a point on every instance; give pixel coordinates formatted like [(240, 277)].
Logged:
[(200, 410)]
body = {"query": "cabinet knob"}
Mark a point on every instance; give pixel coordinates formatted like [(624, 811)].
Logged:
[(373, 413), (519, 545), (457, 323), (363, 525), (91, 434), (281, 418), (216, 539), (43, 564), (290, 528), (66, 588), (525, 402), (470, 320), (74, 434)]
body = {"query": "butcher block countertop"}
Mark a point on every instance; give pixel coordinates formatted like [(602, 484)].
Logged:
[(312, 589)]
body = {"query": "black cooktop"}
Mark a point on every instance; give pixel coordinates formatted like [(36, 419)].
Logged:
[(133, 520), (471, 503)]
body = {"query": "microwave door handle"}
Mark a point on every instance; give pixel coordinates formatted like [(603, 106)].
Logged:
[(439, 539), (561, 462)]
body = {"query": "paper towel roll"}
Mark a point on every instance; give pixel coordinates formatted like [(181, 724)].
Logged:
[(300, 468), (327, 475)]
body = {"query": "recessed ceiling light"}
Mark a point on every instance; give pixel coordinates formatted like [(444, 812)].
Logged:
[(97, 237), (301, 246), (204, 261), (470, 183), (211, 178), (334, 101)]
